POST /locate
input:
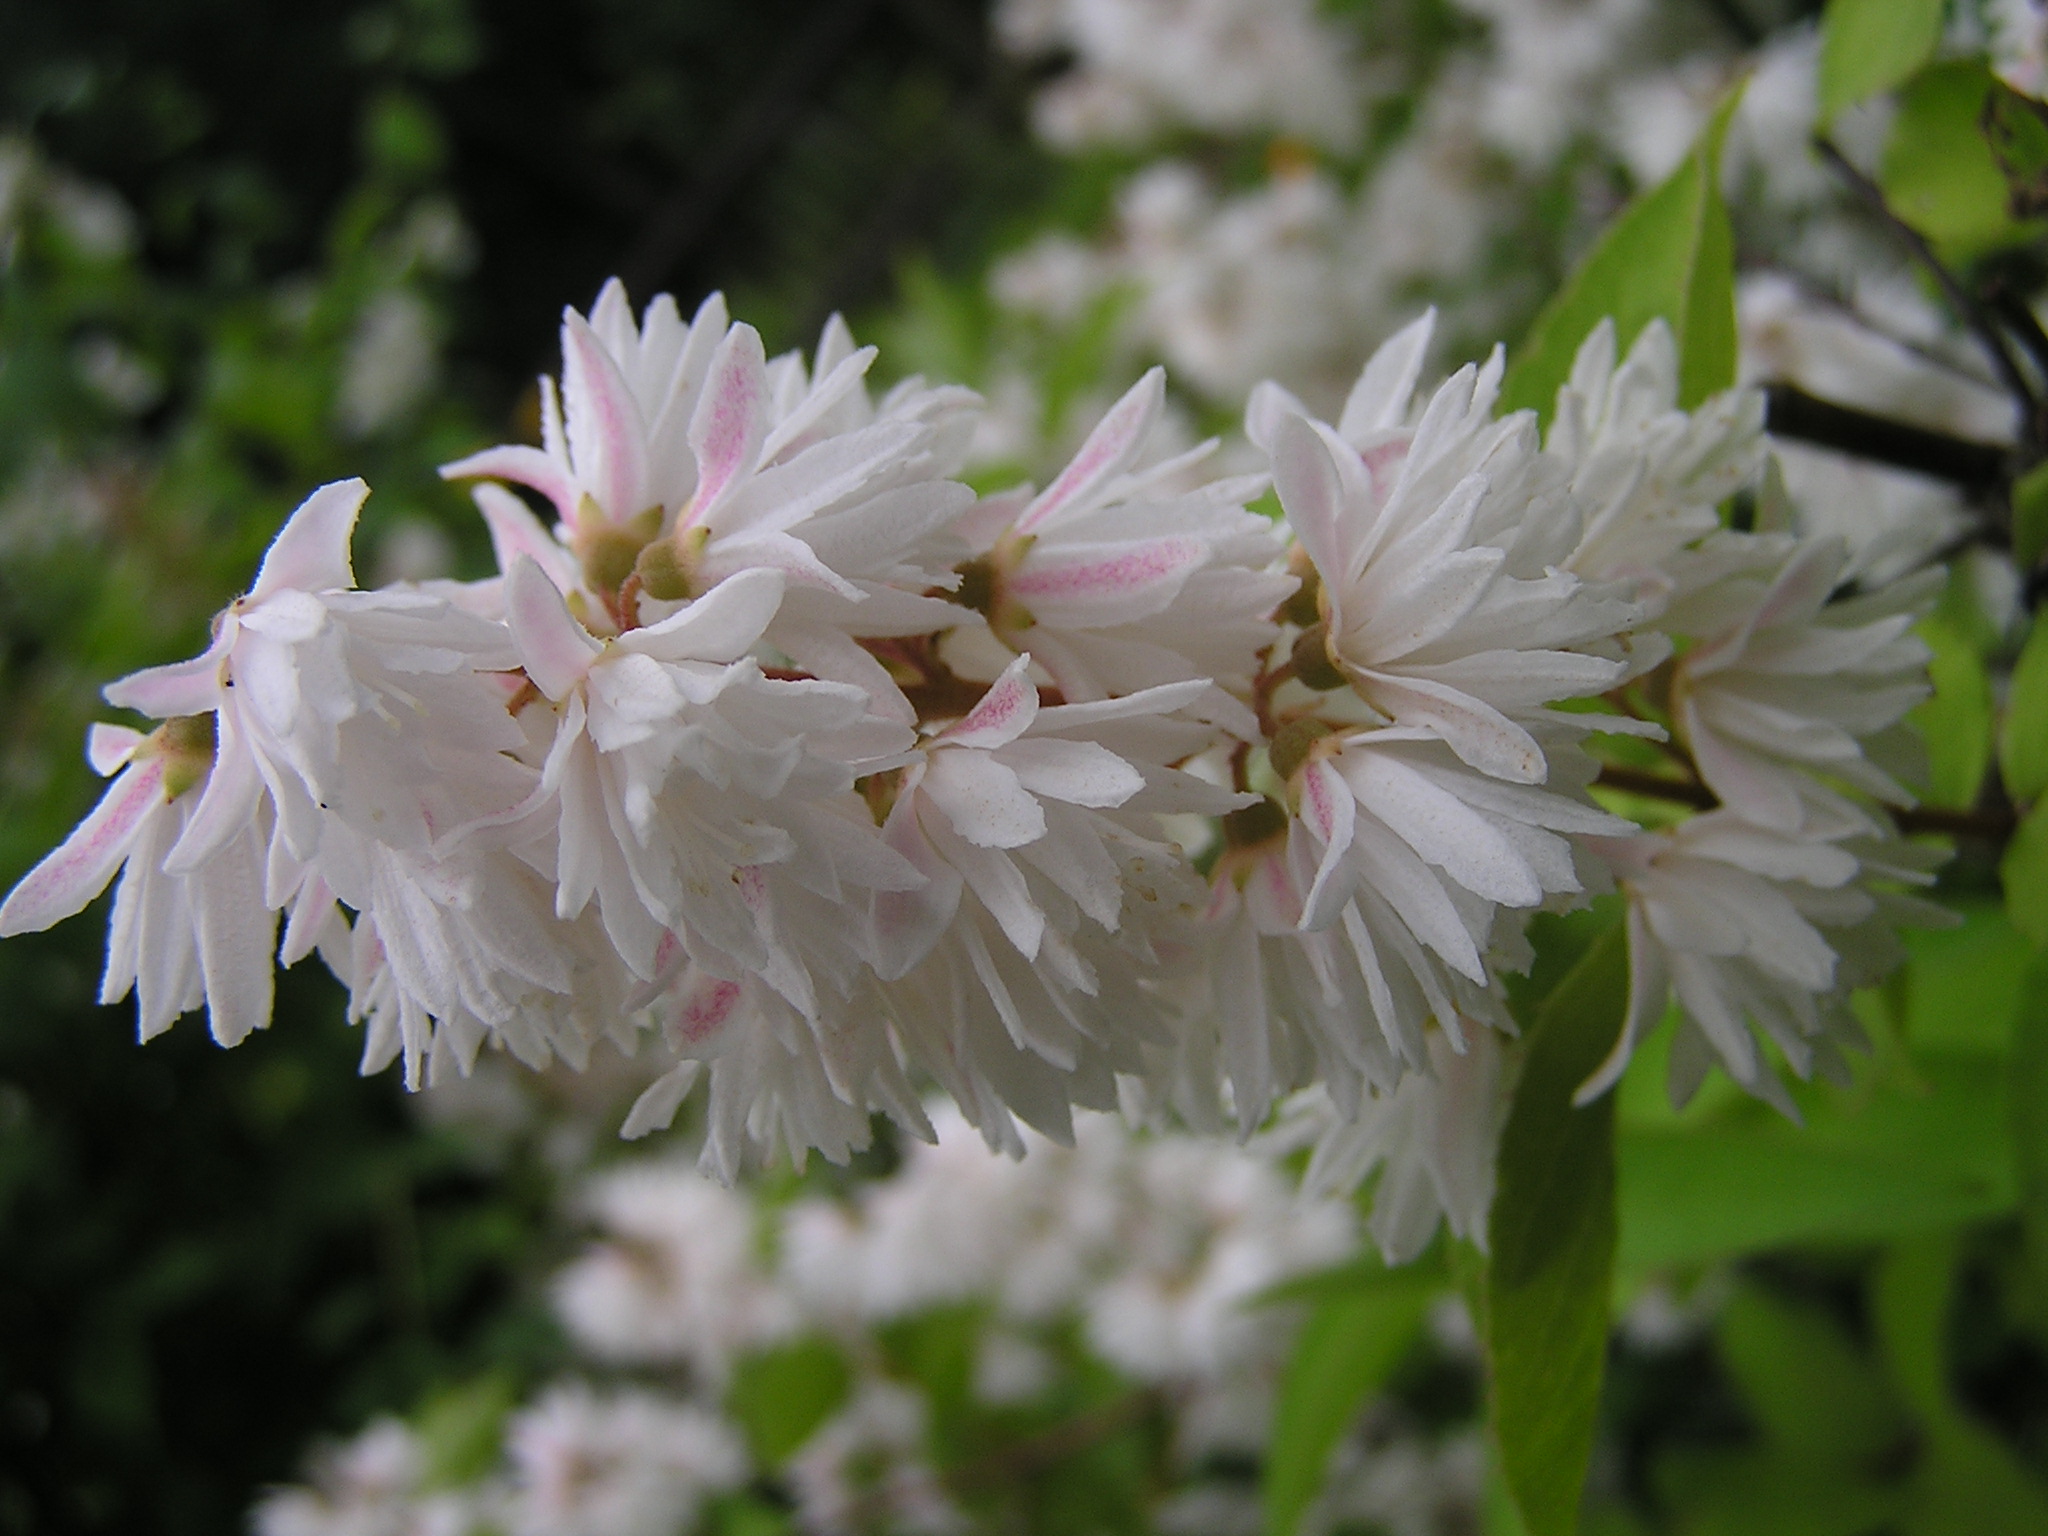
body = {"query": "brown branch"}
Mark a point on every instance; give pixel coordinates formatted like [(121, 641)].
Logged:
[(1051, 1447), (1993, 825), (1981, 468)]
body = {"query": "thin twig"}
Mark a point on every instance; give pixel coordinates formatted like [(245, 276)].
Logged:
[(1993, 825), (1967, 309)]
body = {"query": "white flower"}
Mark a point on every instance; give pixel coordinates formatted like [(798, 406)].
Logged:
[(867, 1468), (1727, 917), (1649, 477), (626, 1464), (1116, 579), (1422, 616), (1435, 1135), (374, 1485), (676, 1277), (1790, 691)]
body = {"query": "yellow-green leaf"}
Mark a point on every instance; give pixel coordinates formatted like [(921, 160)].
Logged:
[(1956, 721), (1552, 1239), (1939, 173), (2024, 873), (2023, 743), (1671, 254), (1343, 1355), (2030, 517), (1867, 46)]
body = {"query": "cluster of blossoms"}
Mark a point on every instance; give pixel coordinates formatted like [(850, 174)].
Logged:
[(784, 748), (1144, 1255)]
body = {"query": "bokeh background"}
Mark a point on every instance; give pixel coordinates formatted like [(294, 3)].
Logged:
[(248, 247)]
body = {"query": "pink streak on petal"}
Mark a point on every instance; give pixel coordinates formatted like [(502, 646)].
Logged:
[(515, 531), (607, 439), (521, 465), (310, 553), (555, 649), (1001, 715), (731, 417), (81, 866), (1133, 570), (703, 1011), (1109, 450)]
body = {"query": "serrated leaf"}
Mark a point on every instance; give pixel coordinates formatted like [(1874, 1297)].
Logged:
[(2024, 874), (1671, 254), (1939, 173), (1342, 1356), (780, 1395), (1867, 46), (2023, 743), (1956, 721), (1552, 1241), (2030, 517)]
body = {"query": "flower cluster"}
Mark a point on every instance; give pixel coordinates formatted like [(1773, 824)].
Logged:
[(782, 747), (1138, 1259)]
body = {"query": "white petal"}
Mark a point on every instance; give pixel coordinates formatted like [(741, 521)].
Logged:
[(311, 551), (982, 799), (731, 419), (80, 867), (522, 465), (1379, 400), (1078, 772), (555, 650), (1111, 449), (607, 438), (1001, 715)]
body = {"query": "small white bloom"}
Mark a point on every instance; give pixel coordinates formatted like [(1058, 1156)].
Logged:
[(624, 1464)]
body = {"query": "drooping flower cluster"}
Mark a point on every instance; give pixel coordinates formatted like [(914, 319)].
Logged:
[(784, 748)]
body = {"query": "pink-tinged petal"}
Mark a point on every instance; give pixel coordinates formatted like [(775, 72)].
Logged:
[(655, 1109), (703, 1008), (1379, 400), (182, 688), (906, 924), (721, 626), (108, 747), (80, 867), (1312, 494), (1078, 772), (1001, 715), (1083, 587), (1111, 449), (515, 531), (555, 650), (311, 551), (521, 465), (1326, 809), (607, 438), (982, 800), (228, 804), (731, 419)]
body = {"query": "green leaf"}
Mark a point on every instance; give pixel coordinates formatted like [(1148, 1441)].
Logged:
[(1899, 1162), (1964, 983), (2030, 1125), (462, 1428), (2030, 517), (1552, 1232), (1965, 1479), (781, 1395), (1344, 1353), (1867, 46), (2024, 873), (1939, 173), (1813, 1393), (2023, 745), (1670, 255), (1956, 721)]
